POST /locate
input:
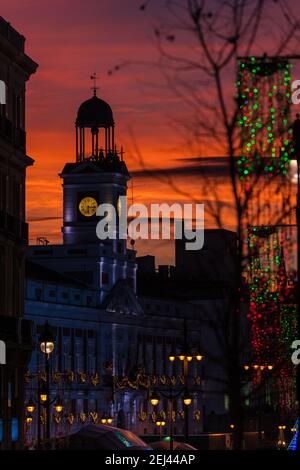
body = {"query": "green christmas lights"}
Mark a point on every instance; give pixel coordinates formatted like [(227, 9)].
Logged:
[(263, 95)]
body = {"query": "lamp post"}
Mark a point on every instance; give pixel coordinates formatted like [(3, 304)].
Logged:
[(259, 369), (41, 401), (171, 396), (281, 437), (106, 419), (58, 406), (46, 341), (185, 356), (160, 423)]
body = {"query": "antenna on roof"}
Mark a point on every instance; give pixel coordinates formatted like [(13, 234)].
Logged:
[(95, 78)]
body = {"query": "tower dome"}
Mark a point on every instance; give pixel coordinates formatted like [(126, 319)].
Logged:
[(95, 130), (94, 113)]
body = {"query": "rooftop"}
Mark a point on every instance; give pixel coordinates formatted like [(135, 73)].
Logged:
[(41, 273), (15, 38)]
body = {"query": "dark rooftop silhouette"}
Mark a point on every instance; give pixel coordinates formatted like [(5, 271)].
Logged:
[(94, 112)]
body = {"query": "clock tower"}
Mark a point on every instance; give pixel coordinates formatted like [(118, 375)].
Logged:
[(98, 176)]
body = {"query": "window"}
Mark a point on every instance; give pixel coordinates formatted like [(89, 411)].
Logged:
[(2, 191), (226, 402), (79, 365), (66, 357), (38, 294), (130, 281), (3, 95), (105, 278), (17, 111), (42, 252), (85, 276), (51, 293), (65, 295), (91, 359)]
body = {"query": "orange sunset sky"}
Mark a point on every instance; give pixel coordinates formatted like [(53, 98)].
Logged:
[(70, 39)]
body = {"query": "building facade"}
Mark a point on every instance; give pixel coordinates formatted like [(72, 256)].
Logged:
[(100, 349), (15, 69), (107, 336)]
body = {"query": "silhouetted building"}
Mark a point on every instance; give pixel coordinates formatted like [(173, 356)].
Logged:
[(208, 273), (214, 264), (86, 289), (15, 69), (98, 176)]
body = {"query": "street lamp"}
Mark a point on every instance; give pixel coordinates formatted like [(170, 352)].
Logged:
[(281, 439), (106, 419), (109, 419), (46, 341), (259, 370), (154, 399), (160, 423), (58, 406), (187, 399), (43, 397), (171, 396), (259, 366), (30, 407), (186, 356), (172, 357)]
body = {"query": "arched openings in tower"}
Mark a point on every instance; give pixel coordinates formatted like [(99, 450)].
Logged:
[(94, 142)]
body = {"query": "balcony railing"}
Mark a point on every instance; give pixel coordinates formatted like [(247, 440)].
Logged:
[(12, 134), (11, 34), (13, 228), (16, 330)]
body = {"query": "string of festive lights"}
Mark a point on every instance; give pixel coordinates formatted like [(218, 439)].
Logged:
[(272, 306), (264, 98)]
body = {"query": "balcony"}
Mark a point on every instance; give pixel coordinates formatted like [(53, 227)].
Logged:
[(11, 34), (15, 136), (13, 228), (17, 334)]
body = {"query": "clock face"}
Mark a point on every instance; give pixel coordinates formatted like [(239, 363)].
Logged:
[(88, 206)]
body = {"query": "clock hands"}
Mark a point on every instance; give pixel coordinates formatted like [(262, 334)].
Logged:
[(88, 207)]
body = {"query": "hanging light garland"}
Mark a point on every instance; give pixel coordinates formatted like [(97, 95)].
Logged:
[(264, 98), (272, 307)]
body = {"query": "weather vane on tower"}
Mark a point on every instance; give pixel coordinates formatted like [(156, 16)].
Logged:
[(95, 78)]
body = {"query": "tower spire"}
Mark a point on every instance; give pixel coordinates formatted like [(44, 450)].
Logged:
[(95, 78)]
